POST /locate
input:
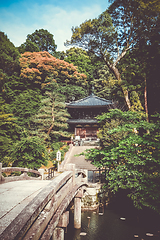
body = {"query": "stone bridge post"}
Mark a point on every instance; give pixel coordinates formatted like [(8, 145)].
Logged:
[(71, 167), (77, 209), (58, 233), (0, 172)]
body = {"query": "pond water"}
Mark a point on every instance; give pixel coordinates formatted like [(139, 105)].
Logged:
[(115, 224)]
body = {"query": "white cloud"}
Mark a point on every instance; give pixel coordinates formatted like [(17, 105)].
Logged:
[(58, 21)]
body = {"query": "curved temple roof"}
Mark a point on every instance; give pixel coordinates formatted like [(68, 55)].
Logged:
[(90, 101)]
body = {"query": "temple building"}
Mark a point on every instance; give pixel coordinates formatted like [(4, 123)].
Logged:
[(83, 113)]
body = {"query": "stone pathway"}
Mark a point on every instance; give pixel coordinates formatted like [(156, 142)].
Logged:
[(80, 162)]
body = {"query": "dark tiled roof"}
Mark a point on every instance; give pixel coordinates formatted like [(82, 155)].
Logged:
[(90, 101)]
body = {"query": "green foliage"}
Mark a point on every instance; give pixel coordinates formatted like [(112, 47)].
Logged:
[(55, 146), (138, 23), (9, 132), (29, 152), (28, 46), (9, 56), (130, 150), (50, 122), (71, 92), (95, 35), (40, 40), (105, 85), (24, 106), (79, 57), (87, 63)]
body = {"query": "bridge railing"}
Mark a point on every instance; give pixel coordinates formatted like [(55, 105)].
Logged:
[(97, 175), (41, 216), (23, 176)]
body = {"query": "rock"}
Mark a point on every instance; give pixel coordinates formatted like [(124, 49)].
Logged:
[(149, 234), (83, 234)]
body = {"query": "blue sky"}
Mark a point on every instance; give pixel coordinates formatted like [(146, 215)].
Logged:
[(22, 17)]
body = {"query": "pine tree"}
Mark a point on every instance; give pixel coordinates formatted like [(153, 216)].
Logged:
[(50, 122)]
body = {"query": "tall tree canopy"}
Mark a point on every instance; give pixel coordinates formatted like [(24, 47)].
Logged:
[(85, 63), (40, 40), (111, 38)]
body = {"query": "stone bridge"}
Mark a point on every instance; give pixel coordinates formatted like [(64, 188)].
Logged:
[(43, 214)]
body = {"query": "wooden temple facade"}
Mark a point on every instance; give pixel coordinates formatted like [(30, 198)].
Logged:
[(83, 113)]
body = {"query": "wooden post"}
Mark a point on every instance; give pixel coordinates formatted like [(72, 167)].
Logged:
[(58, 234)]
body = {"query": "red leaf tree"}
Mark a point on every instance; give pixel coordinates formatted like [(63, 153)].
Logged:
[(42, 67)]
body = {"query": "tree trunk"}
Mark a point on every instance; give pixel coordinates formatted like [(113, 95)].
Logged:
[(116, 73), (145, 99)]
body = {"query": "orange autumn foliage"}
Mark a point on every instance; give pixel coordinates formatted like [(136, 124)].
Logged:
[(41, 66)]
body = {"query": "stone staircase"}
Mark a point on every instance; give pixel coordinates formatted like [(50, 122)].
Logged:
[(80, 161)]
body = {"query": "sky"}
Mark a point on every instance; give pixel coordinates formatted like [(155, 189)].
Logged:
[(18, 18)]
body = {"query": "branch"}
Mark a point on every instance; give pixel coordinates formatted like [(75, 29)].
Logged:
[(117, 47), (121, 56), (127, 42)]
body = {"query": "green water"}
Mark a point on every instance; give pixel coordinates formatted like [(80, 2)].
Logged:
[(110, 226)]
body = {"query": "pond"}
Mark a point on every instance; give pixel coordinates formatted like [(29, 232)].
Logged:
[(115, 224)]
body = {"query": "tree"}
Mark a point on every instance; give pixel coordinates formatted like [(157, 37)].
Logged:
[(9, 131), (99, 36), (39, 67), (9, 61), (29, 152), (71, 92), (130, 151), (111, 41), (50, 122), (140, 21), (25, 106), (28, 46), (85, 63), (40, 40), (9, 56), (105, 85)]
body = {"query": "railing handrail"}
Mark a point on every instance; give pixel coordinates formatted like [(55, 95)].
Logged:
[(23, 176), (19, 169)]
